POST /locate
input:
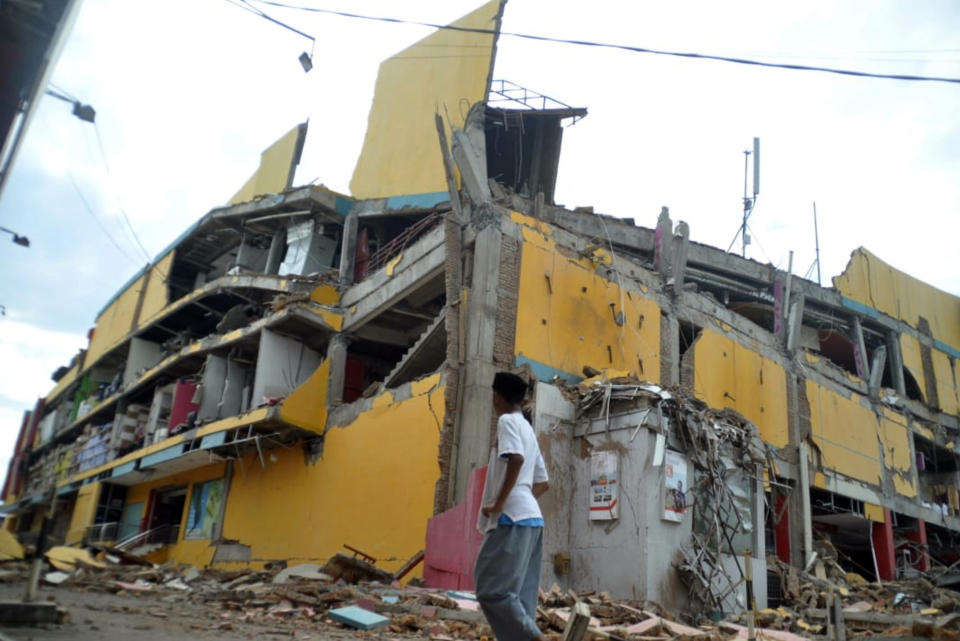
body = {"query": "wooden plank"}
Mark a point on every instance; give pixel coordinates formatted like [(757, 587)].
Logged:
[(578, 622)]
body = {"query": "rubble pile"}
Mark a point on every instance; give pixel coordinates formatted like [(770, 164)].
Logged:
[(346, 592), (908, 607)]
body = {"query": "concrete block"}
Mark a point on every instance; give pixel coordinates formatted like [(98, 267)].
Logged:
[(20, 612), (357, 617)]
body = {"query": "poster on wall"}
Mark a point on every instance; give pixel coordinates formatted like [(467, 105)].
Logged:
[(604, 486), (675, 486)]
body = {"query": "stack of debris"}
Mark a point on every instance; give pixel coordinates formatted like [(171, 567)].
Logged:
[(909, 607)]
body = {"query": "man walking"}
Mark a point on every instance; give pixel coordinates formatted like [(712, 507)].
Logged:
[(507, 572)]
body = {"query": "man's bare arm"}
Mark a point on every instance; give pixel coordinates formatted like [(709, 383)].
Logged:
[(538, 489)]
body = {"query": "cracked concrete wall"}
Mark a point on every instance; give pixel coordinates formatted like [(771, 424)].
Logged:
[(630, 557)]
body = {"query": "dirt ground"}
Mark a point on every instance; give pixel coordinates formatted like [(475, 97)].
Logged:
[(98, 616)]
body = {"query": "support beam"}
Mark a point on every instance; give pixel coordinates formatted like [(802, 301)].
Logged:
[(918, 534), (681, 245), (883, 547), (348, 248), (662, 241), (781, 526), (876, 370), (804, 489), (476, 413), (860, 349), (275, 253), (896, 363), (469, 152), (794, 323), (337, 355)]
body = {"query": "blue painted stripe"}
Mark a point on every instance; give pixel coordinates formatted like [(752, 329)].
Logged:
[(546, 373), (126, 468), (163, 455), (857, 306), (418, 201), (212, 440), (943, 347), (342, 204)]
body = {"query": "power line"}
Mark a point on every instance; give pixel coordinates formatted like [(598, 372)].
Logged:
[(606, 45), (89, 209), (123, 212)]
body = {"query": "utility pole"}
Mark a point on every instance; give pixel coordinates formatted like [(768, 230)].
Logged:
[(816, 240)]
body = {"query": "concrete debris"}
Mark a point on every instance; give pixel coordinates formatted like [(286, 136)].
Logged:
[(363, 597), (305, 571)]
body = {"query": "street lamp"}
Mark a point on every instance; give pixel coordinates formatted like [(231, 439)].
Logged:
[(23, 241)]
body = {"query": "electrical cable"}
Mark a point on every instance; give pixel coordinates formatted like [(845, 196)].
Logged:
[(97, 218), (87, 206), (607, 45), (123, 212), (244, 4)]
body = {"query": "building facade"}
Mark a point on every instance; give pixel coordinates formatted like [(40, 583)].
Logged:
[(302, 370)]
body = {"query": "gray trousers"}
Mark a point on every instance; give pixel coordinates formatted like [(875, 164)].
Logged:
[(507, 578)]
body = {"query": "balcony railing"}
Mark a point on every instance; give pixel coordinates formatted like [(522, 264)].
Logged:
[(166, 534)]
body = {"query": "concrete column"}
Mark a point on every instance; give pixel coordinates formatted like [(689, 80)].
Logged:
[(669, 349), (883, 550), (781, 526), (348, 248), (895, 358), (860, 350), (798, 525), (662, 241), (472, 445), (918, 535), (337, 355), (275, 253)]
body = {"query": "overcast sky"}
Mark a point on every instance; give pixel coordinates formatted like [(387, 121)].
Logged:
[(188, 93)]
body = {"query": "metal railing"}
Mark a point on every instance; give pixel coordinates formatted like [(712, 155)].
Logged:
[(396, 245), (506, 91), (165, 534), (102, 532)]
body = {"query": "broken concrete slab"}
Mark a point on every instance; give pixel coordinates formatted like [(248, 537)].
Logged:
[(357, 617), (303, 571), (68, 559)]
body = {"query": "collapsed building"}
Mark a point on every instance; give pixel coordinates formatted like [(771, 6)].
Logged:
[(303, 369)]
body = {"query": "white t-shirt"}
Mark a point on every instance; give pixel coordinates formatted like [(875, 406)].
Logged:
[(514, 436)]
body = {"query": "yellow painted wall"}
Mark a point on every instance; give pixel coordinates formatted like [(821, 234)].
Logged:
[(373, 487), (447, 71), (306, 406), (567, 322), (727, 374), (155, 298), (84, 511), (846, 432), (913, 361), (115, 322), (873, 282), (897, 453), (277, 163), (944, 371)]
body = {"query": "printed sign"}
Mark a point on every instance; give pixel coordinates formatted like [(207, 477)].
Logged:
[(675, 486), (604, 486)]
